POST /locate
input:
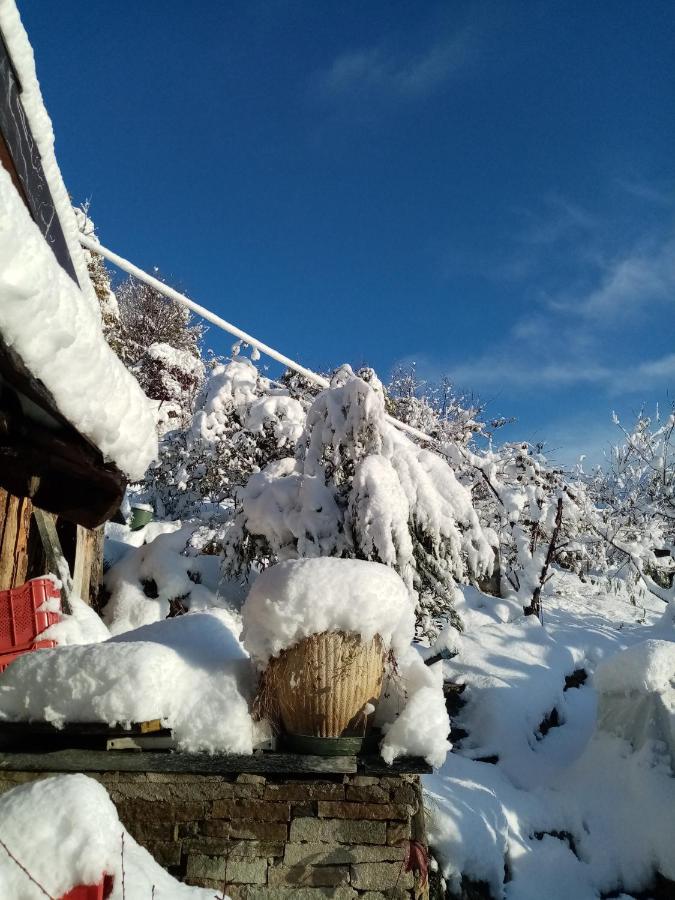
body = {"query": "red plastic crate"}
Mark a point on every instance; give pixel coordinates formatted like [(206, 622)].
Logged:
[(20, 621), (100, 891)]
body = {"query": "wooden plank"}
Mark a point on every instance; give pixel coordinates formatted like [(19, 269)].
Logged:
[(142, 742), (194, 763), (404, 765), (56, 561), (15, 513)]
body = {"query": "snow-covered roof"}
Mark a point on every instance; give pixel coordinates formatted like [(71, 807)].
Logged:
[(50, 322)]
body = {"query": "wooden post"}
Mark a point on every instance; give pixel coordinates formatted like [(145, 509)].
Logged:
[(15, 513), (88, 569)]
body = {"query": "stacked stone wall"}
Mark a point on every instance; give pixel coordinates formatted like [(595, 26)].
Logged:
[(274, 837)]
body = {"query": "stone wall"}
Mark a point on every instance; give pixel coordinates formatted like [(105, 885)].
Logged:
[(273, 837)]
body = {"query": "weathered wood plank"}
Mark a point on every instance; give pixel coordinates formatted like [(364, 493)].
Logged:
[(15, 513), (194, 763), (404, 765), (88, 568), (56, 561)]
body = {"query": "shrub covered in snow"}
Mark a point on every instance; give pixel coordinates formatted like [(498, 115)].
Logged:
[(241, 422), (358, 488)]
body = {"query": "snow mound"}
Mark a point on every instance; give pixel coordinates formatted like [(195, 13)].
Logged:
[(143, 581), (295, 599), (514, 675), (191, 672), (421, 726), (648, 666), (82, 626), (65, 831)]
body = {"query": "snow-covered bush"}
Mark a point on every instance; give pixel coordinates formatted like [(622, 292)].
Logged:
[(437, 408), (242, 421), (633, 500), (359, 488)]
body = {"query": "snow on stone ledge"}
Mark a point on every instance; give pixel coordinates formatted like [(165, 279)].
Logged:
[(46, 319), (65, 832), (422, 726), (190, 671), (295, 599)]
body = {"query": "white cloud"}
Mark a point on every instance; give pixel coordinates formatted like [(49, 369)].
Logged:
[(627, 285), (381, 71)]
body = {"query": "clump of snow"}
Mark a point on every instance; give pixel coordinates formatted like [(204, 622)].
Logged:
[(647, 666), (190, 671), (82, 626), (295, 599), (421, 727), (57, 333), (285, 415), (142, 582), (65, 832), (230, 387)]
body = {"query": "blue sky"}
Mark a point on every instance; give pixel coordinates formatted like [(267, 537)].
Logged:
[(485, 188)]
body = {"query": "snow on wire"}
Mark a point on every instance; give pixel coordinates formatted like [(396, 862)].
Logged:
[(224, 325)]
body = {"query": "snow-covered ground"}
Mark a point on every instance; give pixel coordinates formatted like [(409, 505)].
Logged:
[(556, 788), (572, 811)]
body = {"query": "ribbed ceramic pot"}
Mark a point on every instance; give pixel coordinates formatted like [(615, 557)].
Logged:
[(322, 685)]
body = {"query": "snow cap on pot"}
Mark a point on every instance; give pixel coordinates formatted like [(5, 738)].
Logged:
[(321, 630), (293, 600)]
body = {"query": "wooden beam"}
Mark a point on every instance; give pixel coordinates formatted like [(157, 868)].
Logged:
[(55, 560), (195, 763)]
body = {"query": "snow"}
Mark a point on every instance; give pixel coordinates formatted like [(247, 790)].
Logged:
[(295, 599), (143, 582), (46, 320), (580, 812), (356, 487), (52, 324), (514, 675), (422, 725), (16, 40), (190, 671), (230, 387), (82, 626), (648, 666), (65, 831)]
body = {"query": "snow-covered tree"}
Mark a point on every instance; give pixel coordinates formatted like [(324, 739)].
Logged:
[(437, 408), (633, 499), (242, 421), (357, 487)]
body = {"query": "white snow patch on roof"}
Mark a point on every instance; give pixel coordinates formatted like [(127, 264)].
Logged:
[(57, 333)]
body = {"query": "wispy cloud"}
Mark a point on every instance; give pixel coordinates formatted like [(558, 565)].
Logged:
[(385, 73), (597, 291), (627, 284)]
